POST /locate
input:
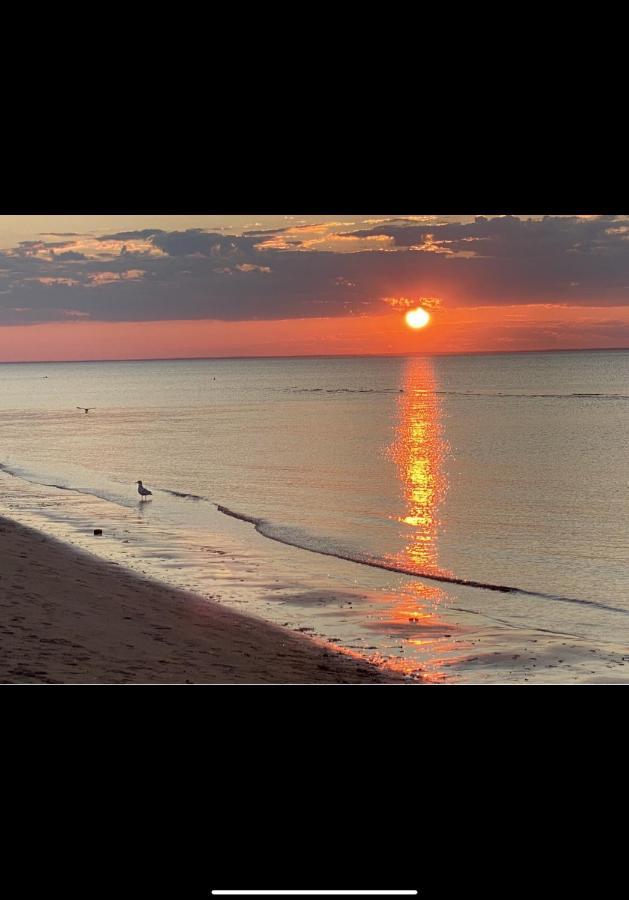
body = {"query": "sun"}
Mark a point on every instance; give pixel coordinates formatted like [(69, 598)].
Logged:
[(417, 318)]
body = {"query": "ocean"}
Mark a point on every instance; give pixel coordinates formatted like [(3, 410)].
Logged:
[(462, 518)]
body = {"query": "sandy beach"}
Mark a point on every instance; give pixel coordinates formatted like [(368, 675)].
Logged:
[(71, 618)]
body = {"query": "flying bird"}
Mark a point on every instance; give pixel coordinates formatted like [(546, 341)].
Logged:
[(142, 491), (86, 408)]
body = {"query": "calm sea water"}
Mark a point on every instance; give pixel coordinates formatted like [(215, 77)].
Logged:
[(464, 515)]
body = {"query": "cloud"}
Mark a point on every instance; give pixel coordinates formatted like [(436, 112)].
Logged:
[(265, 232), (196, 242), (547, 335), (74, 314), (48, 279), (70, 255), (99, 278), (408, 302), (508, 236), (154, 274), (128, 235), (250, 267)]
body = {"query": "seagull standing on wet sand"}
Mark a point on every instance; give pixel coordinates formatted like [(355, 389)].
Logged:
[(86, 408), (142, 491)]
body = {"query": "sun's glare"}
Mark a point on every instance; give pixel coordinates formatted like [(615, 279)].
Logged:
[(417, 318)]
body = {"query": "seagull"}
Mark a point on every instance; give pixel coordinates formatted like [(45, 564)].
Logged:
[(86, 408), (142, 491)]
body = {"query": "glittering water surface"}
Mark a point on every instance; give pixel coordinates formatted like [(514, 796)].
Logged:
[(465, 515)]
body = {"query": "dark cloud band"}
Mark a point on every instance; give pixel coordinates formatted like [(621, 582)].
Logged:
[(155, 274)]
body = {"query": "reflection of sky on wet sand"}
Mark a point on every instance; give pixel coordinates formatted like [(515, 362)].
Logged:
[(416, 637)]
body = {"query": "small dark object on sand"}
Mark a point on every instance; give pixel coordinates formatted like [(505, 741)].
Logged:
[(98, 531)]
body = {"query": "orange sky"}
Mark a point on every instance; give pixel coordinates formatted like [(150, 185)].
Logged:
[(455, 330), (495, 283)]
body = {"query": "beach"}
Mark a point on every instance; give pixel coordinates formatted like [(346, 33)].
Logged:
[(69, 617), (417, 514)]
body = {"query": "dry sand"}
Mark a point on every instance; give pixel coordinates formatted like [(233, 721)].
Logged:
[(68, 617)]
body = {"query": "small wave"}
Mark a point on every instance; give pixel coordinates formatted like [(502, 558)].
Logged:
[(488, 394), (272, 532), (345, 390), (33, 479), (492, 394), (182, 495), (313, 545), (229, 512), (102, 495)]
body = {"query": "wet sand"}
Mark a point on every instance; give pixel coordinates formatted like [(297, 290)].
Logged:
[(67, 617)]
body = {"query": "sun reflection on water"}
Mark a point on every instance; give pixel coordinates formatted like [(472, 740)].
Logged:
[(418, 451)]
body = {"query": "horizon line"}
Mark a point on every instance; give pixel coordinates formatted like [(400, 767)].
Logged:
[(26, 362)]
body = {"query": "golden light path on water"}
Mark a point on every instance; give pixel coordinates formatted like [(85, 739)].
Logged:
[(419, 452)]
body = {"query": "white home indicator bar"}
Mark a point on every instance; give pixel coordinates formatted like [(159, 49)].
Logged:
[(315, 893)]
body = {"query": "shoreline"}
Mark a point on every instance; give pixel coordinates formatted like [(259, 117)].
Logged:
[(69, 617)]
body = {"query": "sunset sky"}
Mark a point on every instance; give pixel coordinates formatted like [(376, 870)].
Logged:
[(133, 286)]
